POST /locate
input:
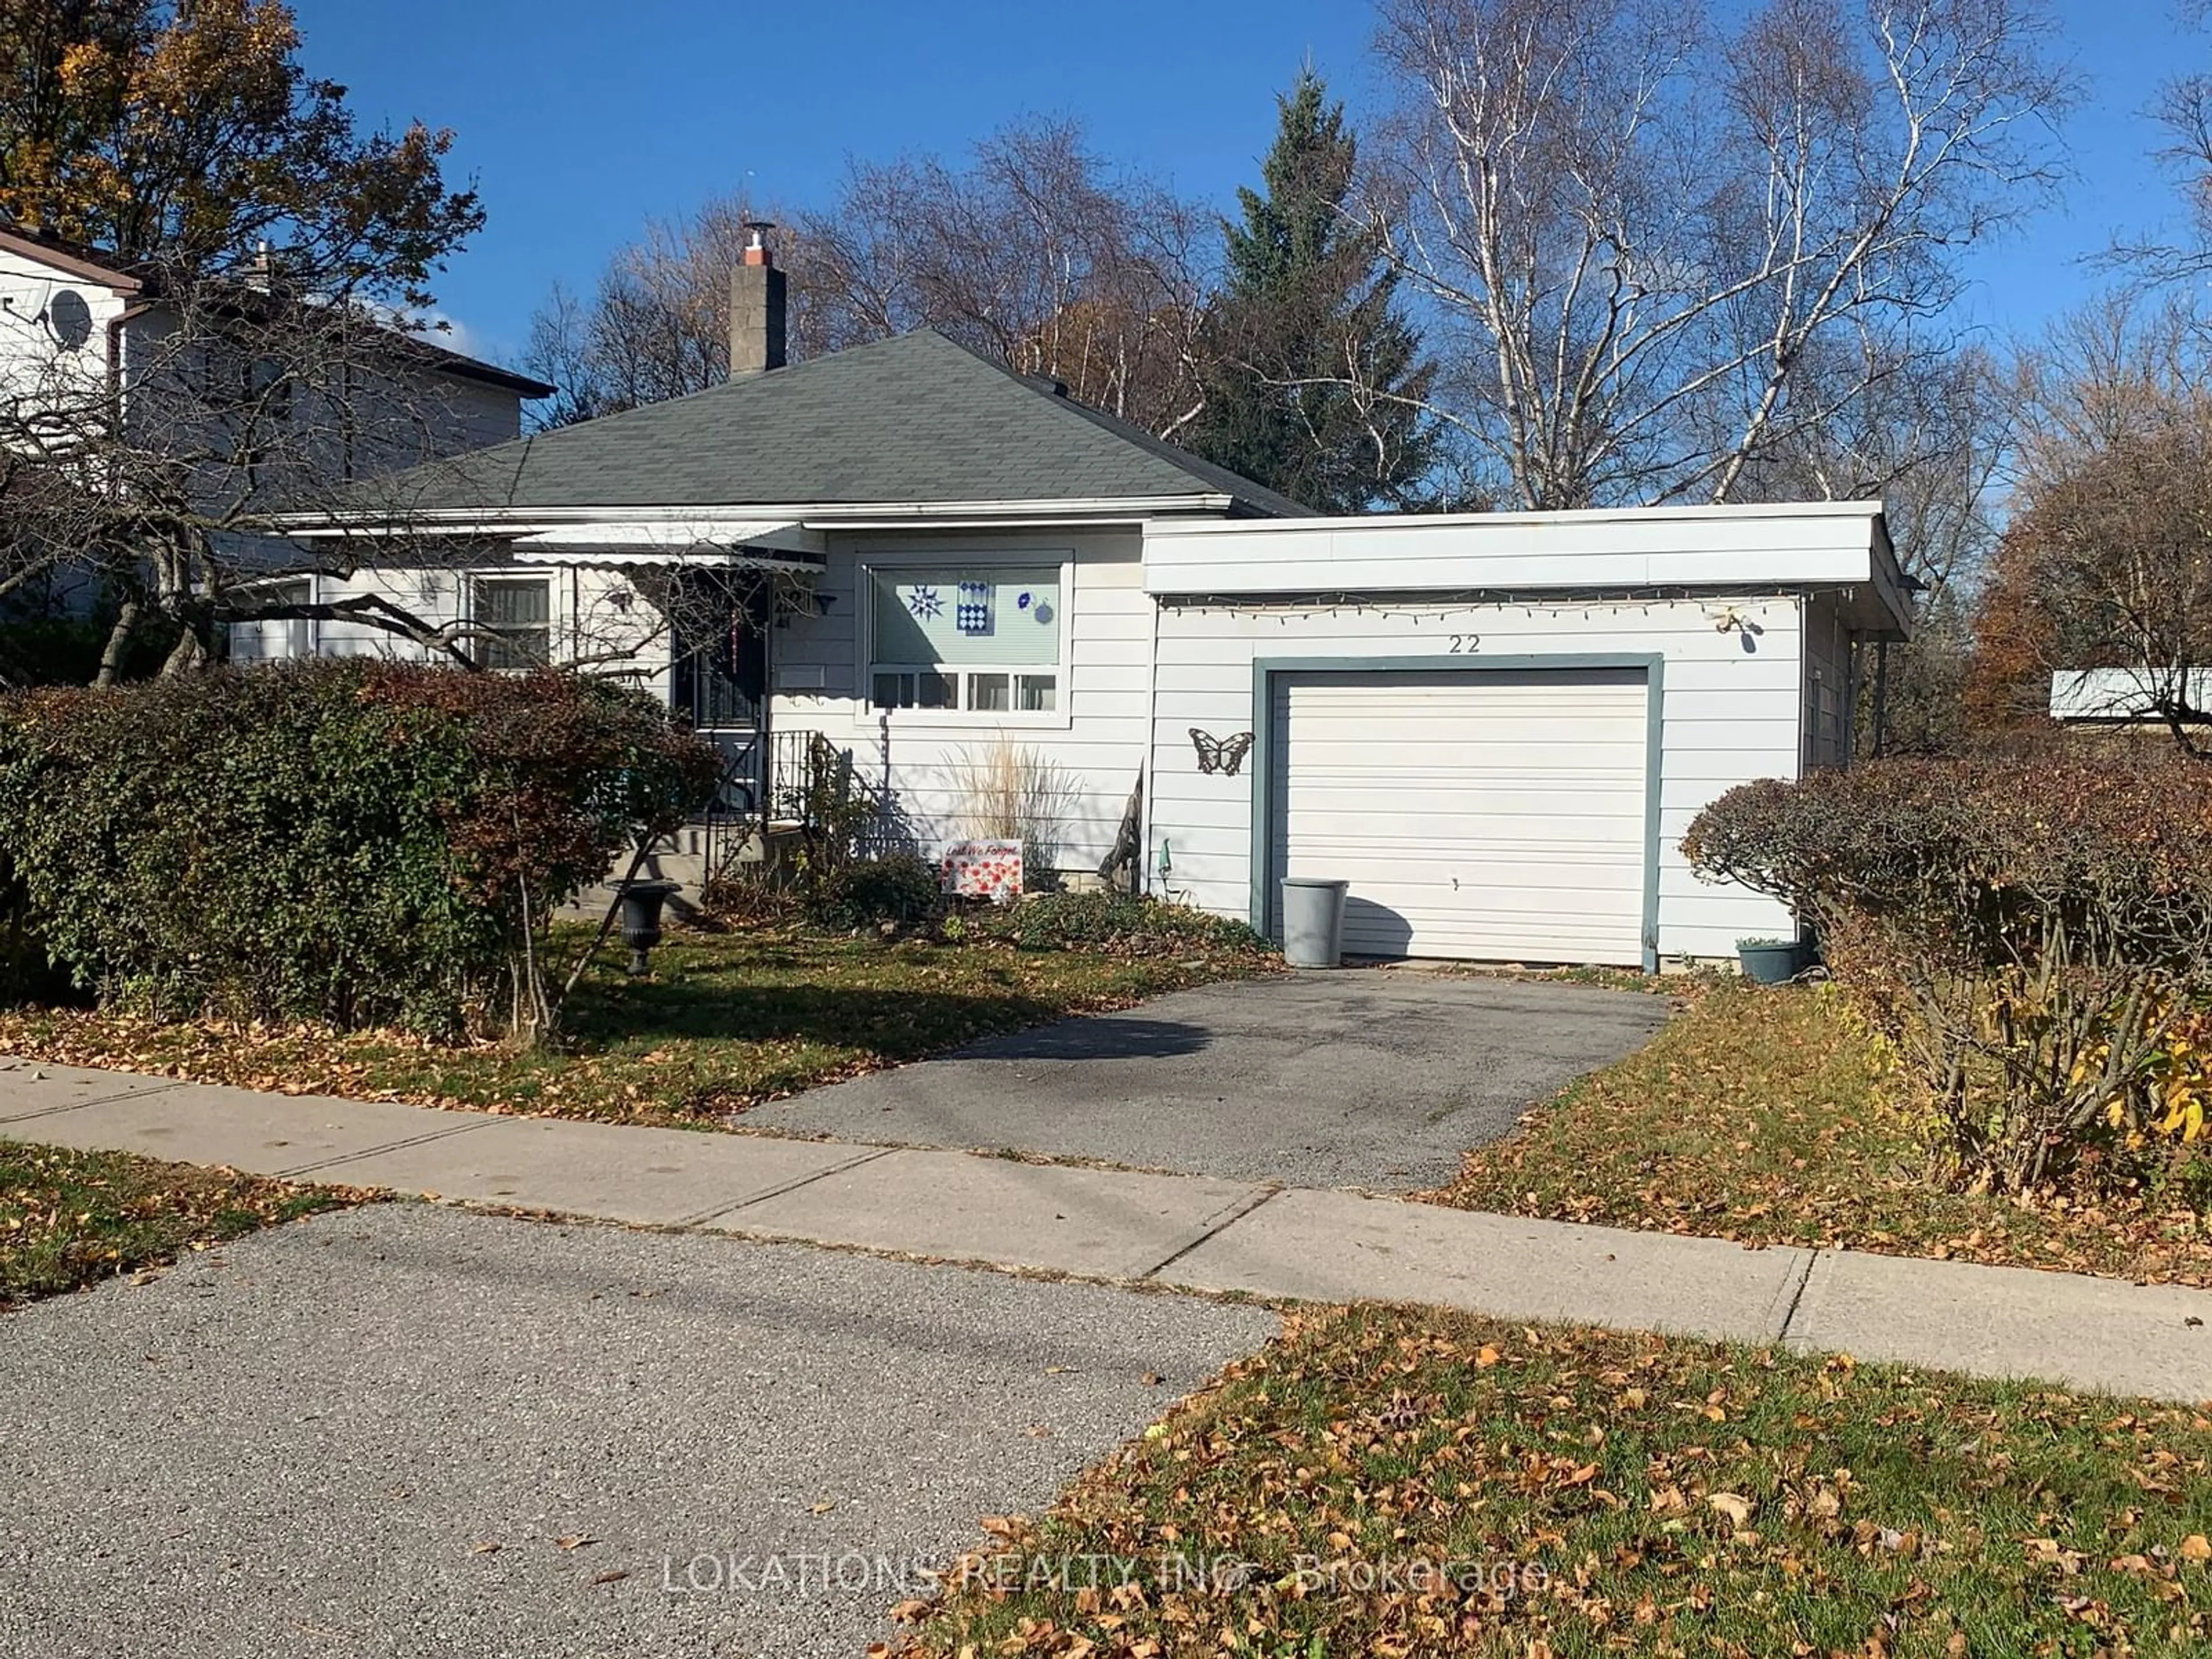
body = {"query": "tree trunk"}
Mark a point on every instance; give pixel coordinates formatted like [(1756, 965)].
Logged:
[(119, 643)]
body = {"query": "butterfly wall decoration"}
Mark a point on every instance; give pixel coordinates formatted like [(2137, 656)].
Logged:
[(1222, 755)]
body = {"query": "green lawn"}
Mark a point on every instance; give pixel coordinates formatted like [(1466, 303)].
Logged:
[(1395, 1482), (725, 1021), (70, 1218), (1769, 1115)]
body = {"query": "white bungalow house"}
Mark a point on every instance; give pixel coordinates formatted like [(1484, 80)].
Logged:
[(2144, 699), (1495, 727)]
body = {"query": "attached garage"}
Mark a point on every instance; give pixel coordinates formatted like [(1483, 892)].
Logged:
[(1492, 813), (1495, 729)]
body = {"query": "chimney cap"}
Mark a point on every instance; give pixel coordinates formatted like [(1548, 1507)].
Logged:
[(757, 250)]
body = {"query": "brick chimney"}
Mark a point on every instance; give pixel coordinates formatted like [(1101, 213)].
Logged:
[(756, 309)]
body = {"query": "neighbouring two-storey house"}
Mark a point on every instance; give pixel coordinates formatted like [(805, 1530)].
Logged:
[(119, 384)]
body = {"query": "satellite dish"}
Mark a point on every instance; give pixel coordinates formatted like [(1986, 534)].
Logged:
[(69, 318)]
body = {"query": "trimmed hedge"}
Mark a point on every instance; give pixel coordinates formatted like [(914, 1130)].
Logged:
[(2033, 929), (358, 842)]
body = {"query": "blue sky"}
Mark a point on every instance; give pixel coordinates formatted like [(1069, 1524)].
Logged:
[(581, 120)]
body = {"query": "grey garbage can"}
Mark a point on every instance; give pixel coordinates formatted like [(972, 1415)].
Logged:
[(1313, 921)]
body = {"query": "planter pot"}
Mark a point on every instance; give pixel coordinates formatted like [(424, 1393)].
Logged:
[(1771, 964), (641, 917)]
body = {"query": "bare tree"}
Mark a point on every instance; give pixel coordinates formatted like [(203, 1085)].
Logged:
[(1926, 429), (2183, 110), (1636, 229), (1035, 251), (151, 468), (2106, 564), (658, 325)]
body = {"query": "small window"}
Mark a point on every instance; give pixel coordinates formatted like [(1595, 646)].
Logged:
[(518, 610), (274, 639), (916, 689), (233, 378), (979, 639)]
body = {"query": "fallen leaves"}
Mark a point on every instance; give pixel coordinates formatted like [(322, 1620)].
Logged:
[(68, 1218), (1848, 1508), (1734, 1505), (1766, 1117)]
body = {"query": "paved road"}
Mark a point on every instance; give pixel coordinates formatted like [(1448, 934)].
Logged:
[(1359, 1078), (306, 1443)]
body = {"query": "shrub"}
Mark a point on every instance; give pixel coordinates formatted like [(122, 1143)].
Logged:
[(2030, 928), (27, 973), (358, 842), (1011, 792), (1113, 922), (900, 890)]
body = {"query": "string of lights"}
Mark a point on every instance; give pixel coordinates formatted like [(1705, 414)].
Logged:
[(1726, 611)]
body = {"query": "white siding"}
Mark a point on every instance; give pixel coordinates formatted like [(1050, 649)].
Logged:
[(34, 368), (1773, 547), (1730, 714), (597, 619), (919, 758), (1830, 704)]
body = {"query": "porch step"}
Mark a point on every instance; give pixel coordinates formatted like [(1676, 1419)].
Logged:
[(702, 839)]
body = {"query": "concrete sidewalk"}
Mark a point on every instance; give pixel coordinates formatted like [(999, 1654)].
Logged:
[(1192, 1233)]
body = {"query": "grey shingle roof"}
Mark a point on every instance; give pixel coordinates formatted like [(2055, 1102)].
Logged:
[(916, 418)]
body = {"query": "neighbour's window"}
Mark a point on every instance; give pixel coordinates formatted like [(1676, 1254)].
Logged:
[(520, 610), (272, 639), (233, 378), (981, 640)]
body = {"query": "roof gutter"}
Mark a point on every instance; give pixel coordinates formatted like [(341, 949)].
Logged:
[(815, 515)]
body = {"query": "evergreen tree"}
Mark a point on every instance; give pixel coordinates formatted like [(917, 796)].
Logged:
[(1312, 378)]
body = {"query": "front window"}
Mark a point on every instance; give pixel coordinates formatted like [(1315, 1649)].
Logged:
[(274, 639), (976, 640), (518, 611)]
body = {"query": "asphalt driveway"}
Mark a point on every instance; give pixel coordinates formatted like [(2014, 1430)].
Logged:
[(1362, 1078), (407, 1429)]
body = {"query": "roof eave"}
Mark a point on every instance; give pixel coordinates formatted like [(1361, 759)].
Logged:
[(823, 515), (85, 270)]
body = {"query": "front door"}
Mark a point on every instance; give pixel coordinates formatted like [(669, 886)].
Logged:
[(720, 623)]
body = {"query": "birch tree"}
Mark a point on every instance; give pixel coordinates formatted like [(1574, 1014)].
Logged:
[(1636, 227)]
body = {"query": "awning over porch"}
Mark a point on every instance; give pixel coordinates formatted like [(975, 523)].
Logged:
[(718, 545)]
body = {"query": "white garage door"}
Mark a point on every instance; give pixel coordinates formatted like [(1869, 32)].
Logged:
[(1495, 815)]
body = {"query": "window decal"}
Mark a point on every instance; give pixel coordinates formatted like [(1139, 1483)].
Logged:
[(972, 613)]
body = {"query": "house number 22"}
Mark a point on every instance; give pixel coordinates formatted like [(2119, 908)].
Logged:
[(1462, 644)]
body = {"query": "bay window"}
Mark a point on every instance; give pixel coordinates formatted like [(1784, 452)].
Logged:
[(983, 639)]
